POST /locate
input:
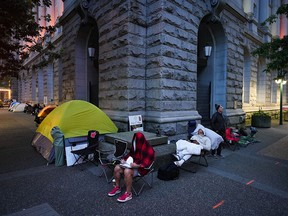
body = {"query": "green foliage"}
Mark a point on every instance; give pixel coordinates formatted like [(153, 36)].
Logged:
[(19, 32), (48, 57), (260, 113), (283, 9), (275, 51)]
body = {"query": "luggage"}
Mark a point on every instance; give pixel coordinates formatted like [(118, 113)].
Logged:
[(168, 172)]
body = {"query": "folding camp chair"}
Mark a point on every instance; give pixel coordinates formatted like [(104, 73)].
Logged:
[(202, 160), (231, 139), (109, 161), (144, 180), (88, 153)]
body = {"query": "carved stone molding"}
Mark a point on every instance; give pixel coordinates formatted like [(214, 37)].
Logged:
[(83, 11), (217, 7)]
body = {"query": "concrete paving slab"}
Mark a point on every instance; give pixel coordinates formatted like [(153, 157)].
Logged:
[(224, 188), (43, 210), (277, 150)]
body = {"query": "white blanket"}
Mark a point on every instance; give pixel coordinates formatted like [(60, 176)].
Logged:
[(215, 138), (191, 148)]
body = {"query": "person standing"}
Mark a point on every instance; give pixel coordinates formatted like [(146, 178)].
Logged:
[(218, 125)]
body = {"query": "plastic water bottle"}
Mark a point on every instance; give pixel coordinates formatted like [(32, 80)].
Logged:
[(114, 182)]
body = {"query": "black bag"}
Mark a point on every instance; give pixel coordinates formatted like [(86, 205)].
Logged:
[(168, 172)]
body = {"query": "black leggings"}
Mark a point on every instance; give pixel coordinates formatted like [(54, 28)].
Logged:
[(219, 149)]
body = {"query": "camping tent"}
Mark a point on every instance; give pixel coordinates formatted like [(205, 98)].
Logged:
[(13, 104), (19, 107), (43, 113), (74, 118)]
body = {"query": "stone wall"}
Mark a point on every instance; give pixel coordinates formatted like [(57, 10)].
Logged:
[(147, 61), (171, 66)]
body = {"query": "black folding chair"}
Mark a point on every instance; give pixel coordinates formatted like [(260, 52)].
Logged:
[(144, 179), (88, 153), (109, 161), (202, 160)]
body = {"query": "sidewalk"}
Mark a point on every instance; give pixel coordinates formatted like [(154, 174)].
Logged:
[(249, 181)]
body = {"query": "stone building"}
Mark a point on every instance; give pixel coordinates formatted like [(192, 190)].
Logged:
[(149, 59)]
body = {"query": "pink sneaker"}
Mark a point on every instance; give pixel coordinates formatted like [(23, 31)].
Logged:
[(125, 197), (116, 190)]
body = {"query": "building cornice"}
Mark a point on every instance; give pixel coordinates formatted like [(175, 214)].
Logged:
[(36, 55), (239, 14), (253, 37), (70, 11)]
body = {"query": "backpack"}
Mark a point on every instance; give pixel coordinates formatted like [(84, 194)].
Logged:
[(168, 172)]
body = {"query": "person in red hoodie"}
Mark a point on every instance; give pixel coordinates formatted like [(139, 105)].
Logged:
[(141, 156)]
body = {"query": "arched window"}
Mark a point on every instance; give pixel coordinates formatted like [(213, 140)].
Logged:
[(261, 82), (33, 87), (274, 89), (246, 76), (50, 83)]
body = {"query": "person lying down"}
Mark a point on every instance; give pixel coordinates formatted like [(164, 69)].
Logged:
[(185, 149)]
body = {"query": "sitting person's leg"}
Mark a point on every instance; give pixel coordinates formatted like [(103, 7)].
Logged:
[(183, 153), (180, 154), (184, 156), (181, 145), (128, 179), (117, 175)]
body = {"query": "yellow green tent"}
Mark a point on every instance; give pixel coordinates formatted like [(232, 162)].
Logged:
[(74, 118)]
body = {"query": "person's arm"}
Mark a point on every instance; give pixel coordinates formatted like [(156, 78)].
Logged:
[(194, 140), (148, 156), (213, 122), (135, 165)]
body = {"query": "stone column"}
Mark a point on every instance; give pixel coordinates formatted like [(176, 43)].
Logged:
[(58, 9), (283, 24), (41, 14), (275, 27)]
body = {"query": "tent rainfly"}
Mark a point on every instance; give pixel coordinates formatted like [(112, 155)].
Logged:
[(74, 118)]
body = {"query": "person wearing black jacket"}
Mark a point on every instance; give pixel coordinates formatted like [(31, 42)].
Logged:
[(218, 125)]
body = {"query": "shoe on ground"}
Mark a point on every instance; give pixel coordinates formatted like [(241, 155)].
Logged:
[(125, 197), (175, 157), (177, 163), (212, 155), (220, 156), (116, 190)]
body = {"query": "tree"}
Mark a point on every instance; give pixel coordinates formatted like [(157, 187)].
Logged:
[(19, 33), (275, 51)]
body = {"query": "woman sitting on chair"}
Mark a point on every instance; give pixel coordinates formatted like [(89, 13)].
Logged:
[(140, 156), (185, 149)]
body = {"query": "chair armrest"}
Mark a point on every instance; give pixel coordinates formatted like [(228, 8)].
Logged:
[(104, 151), (150, 167)]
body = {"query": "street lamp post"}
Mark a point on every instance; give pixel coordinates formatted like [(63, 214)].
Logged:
[(281, 81)]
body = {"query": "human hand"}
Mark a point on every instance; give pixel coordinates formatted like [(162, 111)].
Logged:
[(134, 165)]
